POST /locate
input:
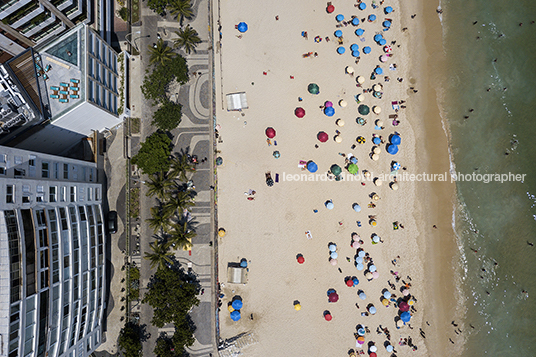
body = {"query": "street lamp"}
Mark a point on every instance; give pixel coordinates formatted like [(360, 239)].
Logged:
[(133, 43)]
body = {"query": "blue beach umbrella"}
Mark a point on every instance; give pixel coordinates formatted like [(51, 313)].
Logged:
[(341, 50), (329, 204), (395, 139), (372, 17), (358, 260), (387, 23), (389, 348), (243, 263), (388, 10), (353, 160), (356, 207), (378, 70), (355, 53), (362, 6), (338, 33), (359, 266), (354, 47), (359, 32), (396, 166), (372, 268), (382, 42), (386, 294), (332, 247), (361, 331), (356, 281), (378, 37), (377, 140), (372, 310), (339, 17), (361, 253), (235, 315), (334, 255), (312, 166), (366, 50), (362, 296), (237, 304), (329, 111), (242, 27), (392, 149), (405, 316), (355, 21)]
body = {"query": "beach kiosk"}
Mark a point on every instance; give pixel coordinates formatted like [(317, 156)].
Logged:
[(237, 101), (236, 275)]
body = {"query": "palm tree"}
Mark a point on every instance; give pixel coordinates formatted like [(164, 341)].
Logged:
[(159, 185), (188, 39), (159, 220), (160, 53), (160, 255), (181, 235), (181, 9), (177, 202), (180, 165)]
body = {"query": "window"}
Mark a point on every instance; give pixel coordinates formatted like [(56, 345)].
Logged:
[(73, 193), (2, 170), (52, 194), (56, 171), (89, 193), (10, 194), (97, 193), (44, 170), (3, 158), (63, 194), (31, 161), (66, 171), (25, 199), (19, 172)]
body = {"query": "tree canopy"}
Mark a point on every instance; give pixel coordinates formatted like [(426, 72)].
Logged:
[(168, 116), (158, 6), (188, 39), (130, 340), (155, 84), (172, 293), (153, 156)]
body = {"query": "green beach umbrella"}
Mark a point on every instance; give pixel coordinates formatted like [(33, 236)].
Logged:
[(313, 88), (363, 109), (353, 169), (335, 169)]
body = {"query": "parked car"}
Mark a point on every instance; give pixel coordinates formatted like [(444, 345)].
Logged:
[(111, 222)]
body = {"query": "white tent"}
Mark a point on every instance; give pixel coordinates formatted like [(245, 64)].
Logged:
[(237, 101)]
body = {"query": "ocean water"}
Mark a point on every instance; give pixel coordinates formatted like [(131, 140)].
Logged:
[(499, 137)]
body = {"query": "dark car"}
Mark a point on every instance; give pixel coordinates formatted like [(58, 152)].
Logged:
[(111, 222)]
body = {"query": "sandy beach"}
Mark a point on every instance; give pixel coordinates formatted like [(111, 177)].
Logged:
[(268, 228)]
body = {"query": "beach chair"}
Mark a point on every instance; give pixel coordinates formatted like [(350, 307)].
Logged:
[(302, 164), (48, 68), (45, 77), (76, 81), (74, 96), (54, 88), (63, 100), (75, 89), (63, 84), (54, 96), (269, 180), (64, 92), (395, 106)]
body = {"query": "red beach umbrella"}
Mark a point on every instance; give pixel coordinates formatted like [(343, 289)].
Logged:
[(328, 317), (299, 112), (387, 49), (300, 259), (349, 282), (330, 9), (322, 136), (333, 297), (373, 354), (403, 306), (270, 132)]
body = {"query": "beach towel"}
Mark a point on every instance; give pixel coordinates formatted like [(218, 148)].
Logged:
[(308, 234)]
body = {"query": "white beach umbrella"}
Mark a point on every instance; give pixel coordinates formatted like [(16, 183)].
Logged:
[(360, 97), (376, 157), (394, 186), (343, 103), (360, 79), (378, 182), (350, 70), (338, 139), (376, 150), (376, 109), (340, 122), (377, 87)]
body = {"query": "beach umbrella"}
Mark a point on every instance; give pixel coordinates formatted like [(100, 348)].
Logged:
[(354, 47), (385, 302), (338, 139), (392, 149), (360, 266), (362, 296), (384, 58), (270, 132), (333, 261), (361, 332), (375, 157), (219, 161), (394, 186), (405, 316), (235, 315), (356, 54), (221, 232), (341, 50), (361, 96), (353, 160), (375, 239), (237, 304), (328, 317), (378, 37), (313, 88), (312, 167), (377, 87), (387, 23), (373, 348), (359, 32), (399, 323), (356, 207), (372, 310), (350, 70), (388, 10), (299, 112), (339, 122), (376, 140), (377, 181), (243, 263), (329, 204), (333, 297), (372, 268), (242, 27), (378, 70), (334, 255), (389, 348), (362, 6), (373, 354), (386, 294), (368, 275), (339, 17), (342, 103), (375, 197), (330, 8), (372, 17), (403, 306), (328, 103), (322, 136), (361, 253), (361, 340), (366, 50), (353, 169), (329, 111), (382, 42), (230, 308), (363, 109), (349, 283), (360, 80), (375, 275), (300, 259), (395, 139), (411, 302), (335, 169), (396, 166), (387, 49), (358, 260), (297, 307), (355, 245), (356, 281), (405, 292), (277, 154), (355, 21), (338, 33)]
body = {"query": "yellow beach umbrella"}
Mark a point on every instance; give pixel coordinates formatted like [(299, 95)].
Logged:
[(297, 307), (373, 223), (221, 232), (375, 197), (230, 308), (385, 302), (411, 302)]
